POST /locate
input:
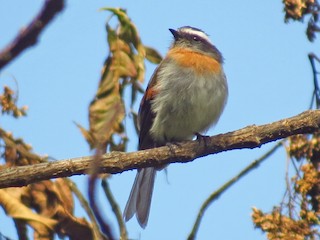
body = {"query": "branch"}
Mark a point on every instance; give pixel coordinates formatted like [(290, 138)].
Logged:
[(117, 162), (29, 35), (85, 205), (316, 91), (215, 195), (115, 208)]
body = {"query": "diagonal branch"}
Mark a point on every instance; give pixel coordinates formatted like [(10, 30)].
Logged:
[(28, 36), (316, 91), (215, 195), (117, 162)]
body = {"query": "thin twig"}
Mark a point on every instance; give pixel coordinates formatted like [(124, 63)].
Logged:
[(288, 189), (116, 209), (227, 185), (105, 228), (28, 36), (92, 182), (85, 205), (316, 91)]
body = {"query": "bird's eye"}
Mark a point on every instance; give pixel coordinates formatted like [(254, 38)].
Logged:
[(195, 38)]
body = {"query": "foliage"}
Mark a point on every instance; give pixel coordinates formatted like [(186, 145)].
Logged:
[(52, 201), (8, 104), (297, 216), (48, 206), (123, 67), (299, 9)]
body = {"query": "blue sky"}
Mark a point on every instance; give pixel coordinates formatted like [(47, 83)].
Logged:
[(269, 78)]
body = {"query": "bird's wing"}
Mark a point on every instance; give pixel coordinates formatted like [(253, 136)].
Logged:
[(146, 115)]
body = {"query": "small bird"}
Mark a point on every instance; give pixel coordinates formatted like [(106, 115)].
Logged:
[(185, 96)]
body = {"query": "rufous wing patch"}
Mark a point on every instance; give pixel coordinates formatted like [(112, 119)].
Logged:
[(150, 93)]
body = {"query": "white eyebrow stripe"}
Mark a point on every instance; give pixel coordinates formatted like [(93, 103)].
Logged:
[(196, 32)]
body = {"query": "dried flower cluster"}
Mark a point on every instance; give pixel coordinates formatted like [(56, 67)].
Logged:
[(298, 9), (308, 181), (304, 146), (278, 226), (298, 216), (8, 104)]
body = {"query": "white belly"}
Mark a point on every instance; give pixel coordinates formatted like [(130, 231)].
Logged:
[(186, 103)]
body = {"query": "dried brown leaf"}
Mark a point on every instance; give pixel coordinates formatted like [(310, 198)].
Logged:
[(87, 135), (18, 152), (75, 228), (124, 64), (17, 210), (65, 194), (153, 55)]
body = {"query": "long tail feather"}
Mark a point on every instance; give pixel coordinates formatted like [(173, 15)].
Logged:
[(139, 201)]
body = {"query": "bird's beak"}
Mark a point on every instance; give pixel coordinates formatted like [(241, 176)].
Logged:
[(175, 33)]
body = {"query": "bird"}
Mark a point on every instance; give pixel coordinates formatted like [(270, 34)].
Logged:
[(185, 96)]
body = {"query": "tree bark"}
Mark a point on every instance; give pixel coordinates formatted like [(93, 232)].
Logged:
[(117, 162)]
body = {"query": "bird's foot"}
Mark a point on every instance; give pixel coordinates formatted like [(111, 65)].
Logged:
[(203, 138), (172, 145)]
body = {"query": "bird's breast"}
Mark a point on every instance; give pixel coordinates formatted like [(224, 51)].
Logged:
[(189, 98)]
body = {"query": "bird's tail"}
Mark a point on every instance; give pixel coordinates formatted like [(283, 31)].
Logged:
[(140, 196)]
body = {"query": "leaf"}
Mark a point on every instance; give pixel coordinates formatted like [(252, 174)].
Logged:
[(129, 34), (153, 55), (106, 115), (121, 62), (62, 188), (17, 151), (87, 135), (74, 228), (106, 111), (54, 200), (17, 210), (125, 64), (120, 12), (139, 61)]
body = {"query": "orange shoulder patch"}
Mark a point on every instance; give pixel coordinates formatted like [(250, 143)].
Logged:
[(199, 62), (150, 93)]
